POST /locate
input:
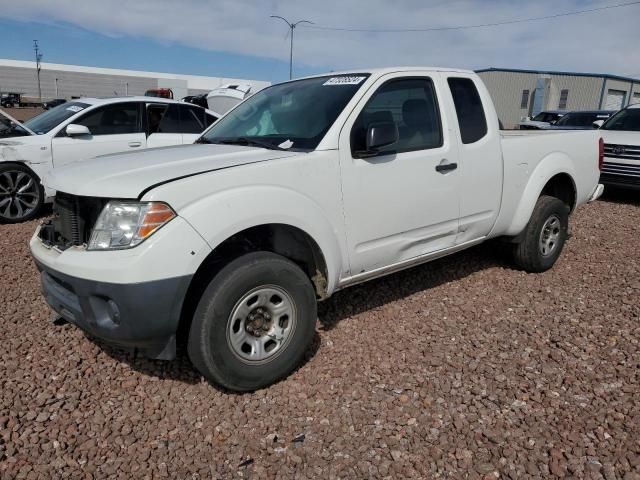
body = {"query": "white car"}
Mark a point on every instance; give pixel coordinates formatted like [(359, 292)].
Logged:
[(82, 129), (621, 135), (305, 188), (541, 120)]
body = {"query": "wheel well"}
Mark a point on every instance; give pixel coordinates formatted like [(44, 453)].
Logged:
[(562, 187), (285, 240)]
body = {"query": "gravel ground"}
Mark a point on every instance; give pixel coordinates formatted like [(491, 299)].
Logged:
[(464, 368)]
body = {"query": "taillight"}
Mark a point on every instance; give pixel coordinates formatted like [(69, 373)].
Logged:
[(600, 153)]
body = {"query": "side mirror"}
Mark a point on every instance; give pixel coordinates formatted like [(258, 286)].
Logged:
[(597, 123), (381, 134), (74, 130)]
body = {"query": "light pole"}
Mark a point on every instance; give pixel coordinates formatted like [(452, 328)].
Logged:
[(57, 87), (292, 26), (38, 58)]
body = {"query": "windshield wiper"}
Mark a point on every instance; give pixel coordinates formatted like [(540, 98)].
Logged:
[(249, 142), (202, 140)]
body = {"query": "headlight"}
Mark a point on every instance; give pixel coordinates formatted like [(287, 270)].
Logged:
[(126, 224)]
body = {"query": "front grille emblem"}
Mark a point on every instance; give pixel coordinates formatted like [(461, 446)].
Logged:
[(619, 150)]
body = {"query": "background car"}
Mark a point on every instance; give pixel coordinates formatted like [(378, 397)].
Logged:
[(579, 120), (542, 119), (82, 129), (621, 135), (53, 103)]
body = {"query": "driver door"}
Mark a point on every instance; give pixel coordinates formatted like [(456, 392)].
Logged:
[(399, 203), (113, 128)]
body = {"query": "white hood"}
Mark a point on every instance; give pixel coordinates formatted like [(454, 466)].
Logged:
[(127, 175), (620, 137)]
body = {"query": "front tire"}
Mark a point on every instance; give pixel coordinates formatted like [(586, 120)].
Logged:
[(544, 236), (253, 323), (21, 194)]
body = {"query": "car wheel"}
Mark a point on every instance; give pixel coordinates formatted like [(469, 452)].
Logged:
[(21, 193), (544, 235), (254, 322)]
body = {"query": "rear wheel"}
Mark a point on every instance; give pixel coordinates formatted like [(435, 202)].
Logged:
[(21, 194), (544, 235), (254, 322)]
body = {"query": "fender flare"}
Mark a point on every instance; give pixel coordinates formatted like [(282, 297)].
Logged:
[(553, 164), (270, 205)]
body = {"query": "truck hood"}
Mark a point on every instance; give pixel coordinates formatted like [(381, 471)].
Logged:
[(127, 175), (620, 137)]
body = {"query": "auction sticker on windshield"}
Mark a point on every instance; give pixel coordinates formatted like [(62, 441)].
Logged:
[(74, 108), (344, 81)]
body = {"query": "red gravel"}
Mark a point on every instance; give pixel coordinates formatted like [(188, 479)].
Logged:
[(464, 368)]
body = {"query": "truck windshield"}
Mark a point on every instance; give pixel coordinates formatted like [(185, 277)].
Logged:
[(50, 119), (627, 120), (294, 115)]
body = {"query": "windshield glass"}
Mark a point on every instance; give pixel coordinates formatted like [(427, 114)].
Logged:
[(627, 119), (584, 119), (50, 119), (293, 115)]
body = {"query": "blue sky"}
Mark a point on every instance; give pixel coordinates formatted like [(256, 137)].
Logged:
[(236, 38)]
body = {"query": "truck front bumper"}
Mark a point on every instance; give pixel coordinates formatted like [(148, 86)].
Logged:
[(140, 316)]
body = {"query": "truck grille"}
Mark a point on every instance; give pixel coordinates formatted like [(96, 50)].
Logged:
[(73, 218), (622, 161)]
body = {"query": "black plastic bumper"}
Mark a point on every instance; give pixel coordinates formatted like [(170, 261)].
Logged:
[(141, 316), (623, 181)]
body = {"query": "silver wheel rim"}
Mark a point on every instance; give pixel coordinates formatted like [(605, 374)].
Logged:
[(550, 235), (261, 324), (19, 194)]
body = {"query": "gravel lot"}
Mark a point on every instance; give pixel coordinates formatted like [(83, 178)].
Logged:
[(463, 368)]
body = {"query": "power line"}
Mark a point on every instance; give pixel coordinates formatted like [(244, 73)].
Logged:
[(464, 27)]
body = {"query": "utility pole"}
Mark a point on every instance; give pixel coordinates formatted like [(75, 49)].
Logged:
[(38, 58), (57, 87), (292, 27)]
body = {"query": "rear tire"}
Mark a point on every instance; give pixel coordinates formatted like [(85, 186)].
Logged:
[(253, 323), (21, 193), (544, 236)]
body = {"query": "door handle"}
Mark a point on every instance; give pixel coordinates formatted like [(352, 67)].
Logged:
[(135, 144), (446, 167)]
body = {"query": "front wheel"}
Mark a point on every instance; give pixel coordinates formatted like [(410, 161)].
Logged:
[(544, 235), (21, 194), (254, 322)]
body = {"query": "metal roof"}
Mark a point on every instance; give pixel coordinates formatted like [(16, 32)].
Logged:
[(546, 72)]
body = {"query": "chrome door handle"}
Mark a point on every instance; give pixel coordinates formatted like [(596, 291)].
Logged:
[(135, 144)]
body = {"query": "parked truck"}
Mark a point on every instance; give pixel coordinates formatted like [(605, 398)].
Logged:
[(306, 188)]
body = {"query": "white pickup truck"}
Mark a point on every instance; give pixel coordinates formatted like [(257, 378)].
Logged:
[(306, 188)]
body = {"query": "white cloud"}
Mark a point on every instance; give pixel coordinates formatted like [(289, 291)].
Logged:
[(603, 42)]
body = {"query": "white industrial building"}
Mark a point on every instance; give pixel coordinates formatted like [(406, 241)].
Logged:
[(72, 81), (522, 93)]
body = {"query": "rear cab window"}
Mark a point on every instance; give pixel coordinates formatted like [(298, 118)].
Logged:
[(469, 110)]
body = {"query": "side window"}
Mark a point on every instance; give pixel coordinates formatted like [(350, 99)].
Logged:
[(191, 119), (155, 112), (412, 105), (170, 123), (116, 119), (471, 117)]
